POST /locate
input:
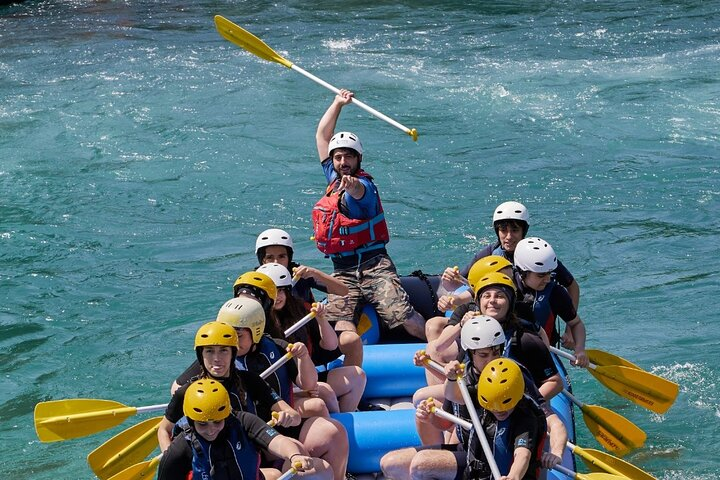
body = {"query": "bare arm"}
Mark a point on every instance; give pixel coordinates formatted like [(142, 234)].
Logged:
[(577, 327), (307, 374), (333, 285), (520, 464), (326, 127), (328, 337), (574, 291), (551, 387), (164, 433)]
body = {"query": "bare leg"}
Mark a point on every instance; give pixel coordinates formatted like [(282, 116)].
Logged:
[(434, 327), (435, 465), (415, 326), (326, 438), (429, 434), (348, 383), (350, 343), (396, 464)]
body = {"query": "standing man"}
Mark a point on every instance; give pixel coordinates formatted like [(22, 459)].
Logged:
[(350, 228)]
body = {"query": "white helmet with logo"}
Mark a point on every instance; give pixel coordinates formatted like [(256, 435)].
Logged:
[(280, 275), (534, 254), (481, 332), (511, 211), (345, 140)]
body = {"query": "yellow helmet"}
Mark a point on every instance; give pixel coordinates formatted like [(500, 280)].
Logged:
[(501, 385), (493, 278), (243, 312), (259, 284), (216, 333), (489, 264), (206, 401)]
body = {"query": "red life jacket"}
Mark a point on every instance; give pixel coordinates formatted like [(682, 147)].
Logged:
[(337, 234)]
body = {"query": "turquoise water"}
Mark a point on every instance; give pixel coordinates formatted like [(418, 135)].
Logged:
[(140, 155)]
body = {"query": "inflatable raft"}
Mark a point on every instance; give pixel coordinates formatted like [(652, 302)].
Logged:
[(392, 379)]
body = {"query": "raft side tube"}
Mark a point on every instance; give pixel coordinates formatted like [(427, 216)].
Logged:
[(372, 434)]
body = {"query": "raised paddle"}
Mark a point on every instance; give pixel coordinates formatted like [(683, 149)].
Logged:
[(244, 39), (59, 420), (479, 431), (599, 461), (467, 425), (640, 387), (613, 431), (128, 447)]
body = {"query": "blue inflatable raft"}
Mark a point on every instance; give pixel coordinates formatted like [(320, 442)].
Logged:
[(388, 363)]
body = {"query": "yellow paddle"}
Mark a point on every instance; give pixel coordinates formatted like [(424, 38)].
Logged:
[(244, 39), (613, 431), (597, 460), (59, 420), (640, 387), (128, 447), (580, 476), (139, 470), (601, 358)]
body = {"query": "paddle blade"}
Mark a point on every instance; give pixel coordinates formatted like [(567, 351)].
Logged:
[(620, 466), (139, 471), (125, 449), (244, 39), (599, 476), (599, 357), (614, 432), (59, 420), (640, 387)]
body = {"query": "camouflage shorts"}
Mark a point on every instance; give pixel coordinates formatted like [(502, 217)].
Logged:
[(376, 282)]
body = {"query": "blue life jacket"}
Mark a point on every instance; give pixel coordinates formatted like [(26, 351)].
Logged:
[(209, 458), (266, 353)]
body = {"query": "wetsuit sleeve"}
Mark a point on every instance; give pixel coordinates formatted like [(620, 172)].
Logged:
[(259, 432), (481, 254), (460, 312), (563, 275), (561, 304), (262, 395), (525, 429), (535, 356), (174, 410), (192, 371), (176, 462)]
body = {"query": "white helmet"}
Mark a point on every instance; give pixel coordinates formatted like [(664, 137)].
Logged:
[(345, 140), (273, 236), (481, 332), (534, 254), (280, 275), (511, 211)]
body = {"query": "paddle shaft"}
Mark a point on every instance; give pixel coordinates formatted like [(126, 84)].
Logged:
[(479, 432), (594, 461), (303, 321), (272, 368)]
